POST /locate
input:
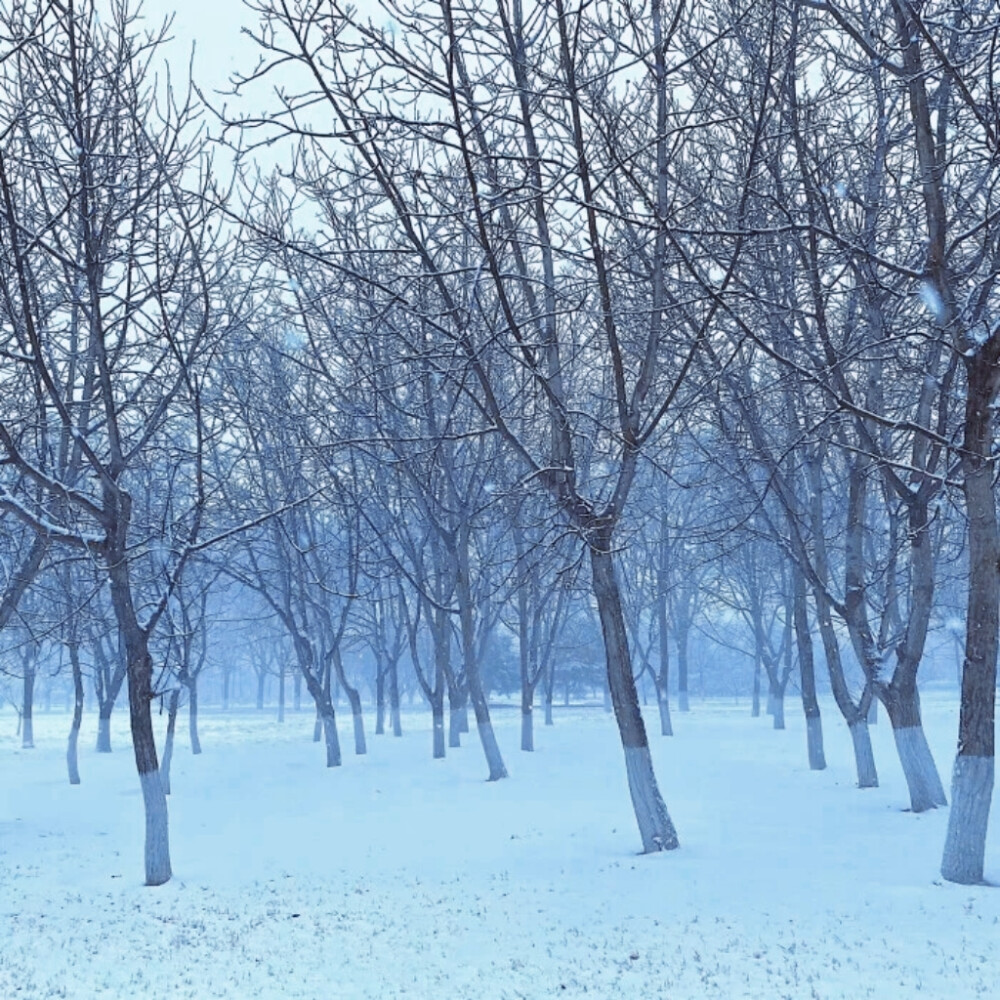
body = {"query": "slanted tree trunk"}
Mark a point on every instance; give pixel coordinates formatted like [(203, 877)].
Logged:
[(329, 722), (354, 700), (807, 672), (72, 763), (470, 663), (168, 743), (922, 778), (855, 715), (655, 827)]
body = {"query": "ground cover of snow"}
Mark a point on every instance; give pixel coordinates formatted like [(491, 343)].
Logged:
[(397, 876)]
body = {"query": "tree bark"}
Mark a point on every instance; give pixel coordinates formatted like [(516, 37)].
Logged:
[(922, 779), (972, 779), (27, 707), (72, 756), (655, 827), (807, 672), (394, 713), (192, 686), (168, 743)]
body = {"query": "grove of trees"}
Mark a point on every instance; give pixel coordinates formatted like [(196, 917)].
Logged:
[(467, 346)]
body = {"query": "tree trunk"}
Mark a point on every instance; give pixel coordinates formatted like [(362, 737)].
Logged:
[(27, 705), (139, 668), (281, 693), (778, 707), (527, 719), (357, 716), (807, 672), (922, 779), (662, 678), (972, 778), (454, 726), (663, 703), (682, 671), (655, 827), (437, 717), (225, 689), (470, 663), (104, 726), (261, 680), (72, 763), (755, 705), (864, 759), (329, 721), (168, 743), (394, 714), (379, 698), (550, 678), (192, 686), (297, 691)]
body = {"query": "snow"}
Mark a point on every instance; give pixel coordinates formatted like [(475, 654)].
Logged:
[(396, 876), (931, 298)]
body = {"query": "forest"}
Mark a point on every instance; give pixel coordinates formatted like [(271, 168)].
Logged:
[(472, 357)]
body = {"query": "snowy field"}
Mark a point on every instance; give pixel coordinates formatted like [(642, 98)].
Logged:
[(396, 876)]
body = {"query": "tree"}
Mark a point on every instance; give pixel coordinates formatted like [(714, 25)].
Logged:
[(107, 292)]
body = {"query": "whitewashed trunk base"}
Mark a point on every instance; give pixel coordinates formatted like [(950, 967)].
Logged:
[(655, 827), (360, 746), (491, 749), (103, 735), (922, 778), (814, 743), (864, 759), (527, 730), (332, 741), (965, 843), (438, 748), (157, 838), (666, 724)]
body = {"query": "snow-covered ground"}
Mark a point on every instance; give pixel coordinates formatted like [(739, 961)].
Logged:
[(397, 876)]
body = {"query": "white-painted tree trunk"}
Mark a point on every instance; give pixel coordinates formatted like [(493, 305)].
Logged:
[(656, 829), (971, 794), (814, 743), (332, 738), (437, 715), (104, 731), (864, 759), (663, 703), (922, 778)]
